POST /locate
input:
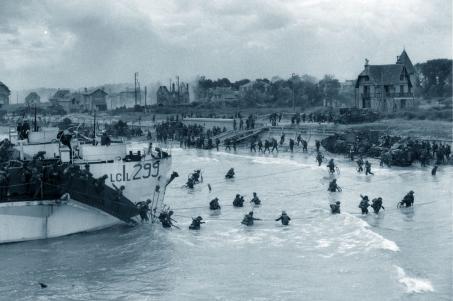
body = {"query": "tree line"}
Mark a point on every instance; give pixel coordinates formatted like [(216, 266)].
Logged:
[(433, 79), (300, 90)]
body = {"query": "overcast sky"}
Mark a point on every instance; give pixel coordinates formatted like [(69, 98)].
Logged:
[(64, 43)]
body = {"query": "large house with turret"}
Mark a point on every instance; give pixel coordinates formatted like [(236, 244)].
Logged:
[(386, 88)]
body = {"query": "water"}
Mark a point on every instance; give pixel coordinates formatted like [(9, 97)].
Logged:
[(399, 255)]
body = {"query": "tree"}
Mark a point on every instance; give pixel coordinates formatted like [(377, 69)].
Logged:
[(255, 97), (329, 88), (435, 78)]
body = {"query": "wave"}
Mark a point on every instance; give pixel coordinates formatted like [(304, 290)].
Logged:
[(205, 159), (413, 285), (283, 161), (375, 239)]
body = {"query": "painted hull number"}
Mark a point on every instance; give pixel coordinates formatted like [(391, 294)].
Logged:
[(140, 171)]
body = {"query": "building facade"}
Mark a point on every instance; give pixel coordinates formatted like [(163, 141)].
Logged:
[(177, 95), (79, 102), (386, 88), (95, 100), (66, 100), (4, 94), (224, 94)]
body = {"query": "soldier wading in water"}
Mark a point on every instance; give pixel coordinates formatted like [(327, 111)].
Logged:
[(284, 218), (238, 201), (364, 204), (248, 219), (333, 186), (407, 201), (196, 223)]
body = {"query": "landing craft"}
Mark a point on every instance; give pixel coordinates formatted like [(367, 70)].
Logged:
[(76, 204)]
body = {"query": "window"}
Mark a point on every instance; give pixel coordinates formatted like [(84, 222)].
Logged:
[(402, 77)]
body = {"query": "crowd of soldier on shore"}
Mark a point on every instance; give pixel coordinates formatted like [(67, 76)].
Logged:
[(391, 150), (187, 135), (422, 151)]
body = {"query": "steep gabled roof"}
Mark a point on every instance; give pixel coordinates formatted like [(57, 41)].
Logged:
[(61, 93), (96, 90), (384, 74), (404, 59), (163, 90), (5, 86)]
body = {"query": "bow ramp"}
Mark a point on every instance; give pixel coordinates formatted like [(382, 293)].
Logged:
[(94, 193)]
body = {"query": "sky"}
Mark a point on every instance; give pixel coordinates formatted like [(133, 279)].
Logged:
[(73, 44)]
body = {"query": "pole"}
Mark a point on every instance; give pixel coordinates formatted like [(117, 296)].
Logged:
[(177, 77), (135, 88), (145, 97), (292, 81), (94, 128), (35, 125)]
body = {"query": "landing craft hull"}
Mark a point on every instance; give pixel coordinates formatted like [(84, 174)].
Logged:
[(30, 220), (139, 178)]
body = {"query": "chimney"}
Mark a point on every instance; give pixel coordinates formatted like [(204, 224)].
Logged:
[(173, 87), (86, 90), (366, 63)]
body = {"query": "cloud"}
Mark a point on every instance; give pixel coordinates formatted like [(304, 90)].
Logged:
[(85, 43)]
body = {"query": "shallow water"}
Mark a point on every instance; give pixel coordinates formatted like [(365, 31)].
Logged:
[(402, 254)]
